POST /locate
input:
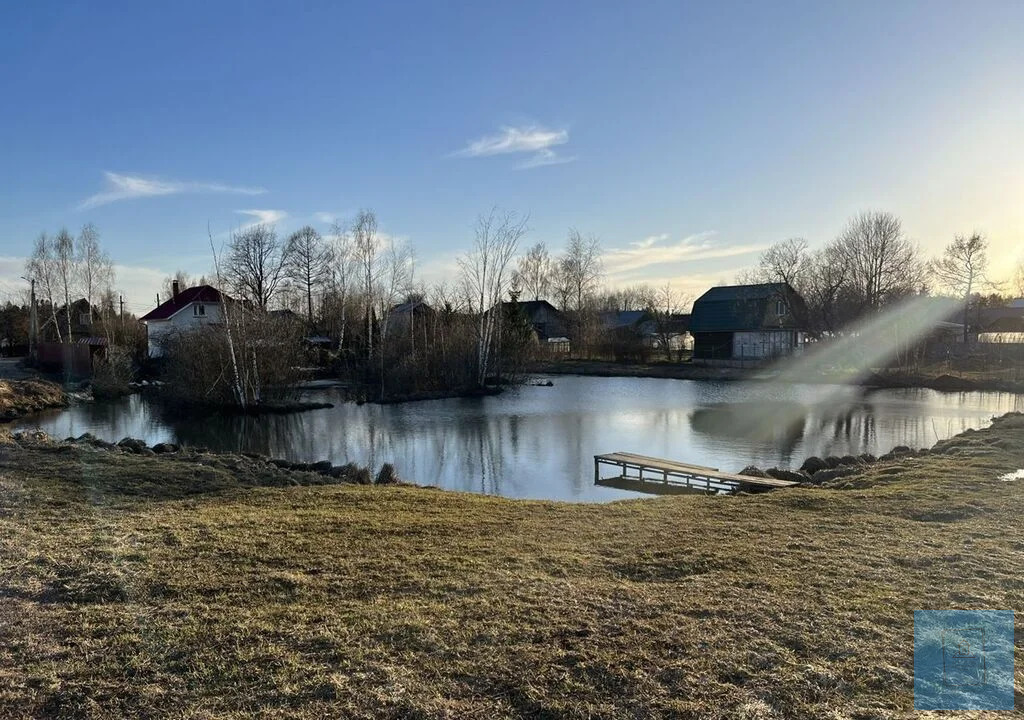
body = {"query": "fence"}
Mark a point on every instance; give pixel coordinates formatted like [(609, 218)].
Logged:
[(71, 360)]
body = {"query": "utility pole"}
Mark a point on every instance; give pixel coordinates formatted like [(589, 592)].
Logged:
[(120, 299)]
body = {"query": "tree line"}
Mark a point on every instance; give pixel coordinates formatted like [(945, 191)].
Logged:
[(350, 283), (871, 265), (394, 336), (65, 267)]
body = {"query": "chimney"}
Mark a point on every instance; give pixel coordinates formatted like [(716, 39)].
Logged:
[(175, 289)]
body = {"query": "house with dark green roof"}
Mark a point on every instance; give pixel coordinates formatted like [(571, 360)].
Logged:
[(748, 323)]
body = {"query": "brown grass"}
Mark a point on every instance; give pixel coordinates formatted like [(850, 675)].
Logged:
[(20, 397), (134, 586)]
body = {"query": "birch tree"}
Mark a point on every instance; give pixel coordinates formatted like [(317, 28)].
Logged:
[(486, 276), (64, 263), (96, 271), (237, 382), (42, 266), (366, 250), (342, 273)]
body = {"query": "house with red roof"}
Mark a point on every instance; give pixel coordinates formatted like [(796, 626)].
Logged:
[(188, 309)]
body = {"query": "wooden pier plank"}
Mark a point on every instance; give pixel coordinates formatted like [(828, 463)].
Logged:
[(662, 460), (652, 462), (676, 474)]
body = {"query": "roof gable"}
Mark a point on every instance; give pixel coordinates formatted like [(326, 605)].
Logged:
[(745, 292), (623, 318), (199, 293), (730, 308), (531, 308), (1006, 324)]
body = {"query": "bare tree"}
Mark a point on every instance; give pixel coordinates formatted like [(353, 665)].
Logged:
[(395, 280), (366, 250), (882, 264), (486, 277), (96, 270), (534, 272), (580, 268), (668, 302), (42, 266), (255, 264), (237, 374), (561, 288), (639, 296), (962, 268), (577, 281), (184, 281), (787, 261), (1018, 279), (823, 290), (343, 271), (64, 263), (309, 264)]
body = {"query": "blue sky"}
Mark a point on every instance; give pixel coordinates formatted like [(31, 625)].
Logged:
[(685, 136)]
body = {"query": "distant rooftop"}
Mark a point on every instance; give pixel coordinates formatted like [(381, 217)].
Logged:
[(199, 293)]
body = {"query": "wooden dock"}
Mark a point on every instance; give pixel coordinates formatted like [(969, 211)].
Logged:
[(642, 473)]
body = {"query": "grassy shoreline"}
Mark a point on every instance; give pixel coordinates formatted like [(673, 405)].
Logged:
[(21, 397), (221, 586), (934, 380)]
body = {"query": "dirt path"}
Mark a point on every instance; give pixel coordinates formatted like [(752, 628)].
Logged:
[(11, 368)]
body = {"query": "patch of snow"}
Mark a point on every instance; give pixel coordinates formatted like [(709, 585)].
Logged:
[(1016, 475)]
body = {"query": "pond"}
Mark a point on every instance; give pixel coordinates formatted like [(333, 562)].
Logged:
[(539, 442)]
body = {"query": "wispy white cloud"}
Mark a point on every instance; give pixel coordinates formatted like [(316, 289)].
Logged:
[(533, 139), (324, 217), (545, 157), (266, 217), (655, 254), (128, 187), (257, 217)]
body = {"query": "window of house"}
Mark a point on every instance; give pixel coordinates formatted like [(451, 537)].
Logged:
[(780, 308), (198, 310), (84, 319)]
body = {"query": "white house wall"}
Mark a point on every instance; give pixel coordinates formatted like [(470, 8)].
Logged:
[(182, 321), (765, 344)]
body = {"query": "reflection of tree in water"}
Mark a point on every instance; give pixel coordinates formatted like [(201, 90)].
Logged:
[(273, 435), (776, 423), (542, 444)]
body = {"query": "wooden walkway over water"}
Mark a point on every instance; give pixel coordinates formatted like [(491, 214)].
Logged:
[(642, 473)]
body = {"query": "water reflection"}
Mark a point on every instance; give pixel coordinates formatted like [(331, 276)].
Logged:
[(539, 442)]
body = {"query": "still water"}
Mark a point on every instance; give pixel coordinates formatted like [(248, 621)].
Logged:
[(539, 442)]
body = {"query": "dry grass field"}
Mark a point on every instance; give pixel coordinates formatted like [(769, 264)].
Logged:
[(19, 397), (199, 586)]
